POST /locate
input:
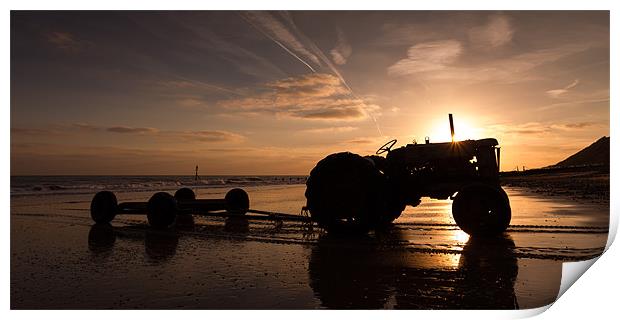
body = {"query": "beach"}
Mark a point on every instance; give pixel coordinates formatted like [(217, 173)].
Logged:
[(60, 259)]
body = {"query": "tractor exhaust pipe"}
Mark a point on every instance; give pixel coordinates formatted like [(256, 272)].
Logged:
[(451, 126)]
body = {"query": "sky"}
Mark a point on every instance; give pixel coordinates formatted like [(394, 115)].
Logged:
[(132, 93)]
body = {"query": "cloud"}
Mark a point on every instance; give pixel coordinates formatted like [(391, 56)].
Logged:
[(427, 56), (184, 135), (86, 127), (329, 130), (123, 129), (191, 102), (398, 34), (64, 41), (579, 125), (515, 68), (312, 96), (576, 125), (361, 141), (537, 128), (366, 143), (497, 32), (342, 113), (557, 93), (307, 81), (341, 52), (207, 136), (32, 131), (182, 83)]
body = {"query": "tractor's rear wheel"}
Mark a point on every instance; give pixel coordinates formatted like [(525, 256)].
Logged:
[(346, 192), (482, 210)]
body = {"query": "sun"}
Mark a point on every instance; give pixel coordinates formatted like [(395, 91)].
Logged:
[(463, 130)]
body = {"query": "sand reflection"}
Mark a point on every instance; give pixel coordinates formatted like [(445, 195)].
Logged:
[(345, 275), (159, 245)]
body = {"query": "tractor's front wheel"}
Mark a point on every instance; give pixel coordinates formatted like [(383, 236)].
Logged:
[(482, 210)]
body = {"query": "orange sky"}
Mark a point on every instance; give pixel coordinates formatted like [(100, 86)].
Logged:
[(274, 92)]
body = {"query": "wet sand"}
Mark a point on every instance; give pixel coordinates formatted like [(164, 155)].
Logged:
[(583, 184), (61, 260)]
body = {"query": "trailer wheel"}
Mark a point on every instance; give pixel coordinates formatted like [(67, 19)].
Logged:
[(103, 207), (185, 194), (345, 192), (161, 210), (482, 210), (237, 201)]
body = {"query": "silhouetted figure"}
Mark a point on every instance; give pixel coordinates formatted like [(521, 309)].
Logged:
[(196, 177)]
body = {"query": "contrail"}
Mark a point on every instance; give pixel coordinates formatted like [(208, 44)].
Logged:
[(329, 64), (206, 84), (279, 44), (317, 51), (294, 55), (325, 59)]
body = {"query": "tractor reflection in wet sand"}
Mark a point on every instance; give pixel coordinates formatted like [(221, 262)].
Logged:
[(346, 191)]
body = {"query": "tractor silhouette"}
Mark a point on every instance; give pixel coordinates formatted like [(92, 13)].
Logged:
[(346, 191)]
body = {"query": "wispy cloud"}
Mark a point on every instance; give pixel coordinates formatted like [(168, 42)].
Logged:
[(33, 131), (427, 56), (329, 130), (317, 96), (538, 128), (181, 82), (341, 52), (577, 125), (178, 135), (556, 93), (124, 129), (497, 32), (86, 127), (575, 99), (65, 41), (517, 68), (206, 135), (365, 142)]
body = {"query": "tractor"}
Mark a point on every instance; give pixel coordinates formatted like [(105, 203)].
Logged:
[(346, 191)]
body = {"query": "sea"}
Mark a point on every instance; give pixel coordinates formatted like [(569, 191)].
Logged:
[(65, 185)]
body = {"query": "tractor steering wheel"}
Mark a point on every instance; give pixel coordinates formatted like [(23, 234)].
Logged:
[(386, 147)]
